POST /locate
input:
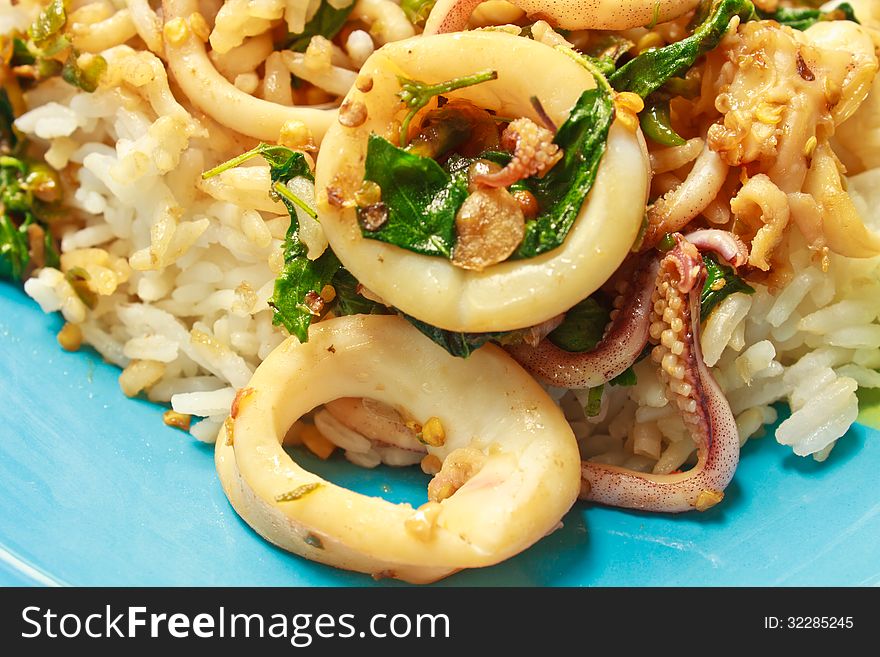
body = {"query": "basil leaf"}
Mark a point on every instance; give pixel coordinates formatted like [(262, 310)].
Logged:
[(583, 326), (348, 301), (594, 401), (562, 191), (417, 10), (83, 77), (657, 125), (647, 72), (284, 163), (14, 255), (29, 195), (47, 45), (300, 276), (721, 281), (8, 138), (800, 18), (626, 378), (19, 209), (326, 22), (48, 24), (421, 198), (456, 343), (604, 51)]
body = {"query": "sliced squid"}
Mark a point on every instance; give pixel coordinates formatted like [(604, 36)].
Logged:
[(510, 471), (185, 34), (512, 294), (453, 15)]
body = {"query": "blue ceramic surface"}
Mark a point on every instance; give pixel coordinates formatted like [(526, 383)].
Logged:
[(95, 490)]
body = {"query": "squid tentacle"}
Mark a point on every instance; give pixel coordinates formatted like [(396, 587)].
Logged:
[(624, 339), (705, 410), (534, 153), (723, 242)]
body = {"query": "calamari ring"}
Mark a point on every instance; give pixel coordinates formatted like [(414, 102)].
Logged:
[(529, 479), (216, 97), (453, 15), (512, 294)]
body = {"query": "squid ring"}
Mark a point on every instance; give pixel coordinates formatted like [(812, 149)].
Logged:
[(512, 294), (453, 15), (525, 474)]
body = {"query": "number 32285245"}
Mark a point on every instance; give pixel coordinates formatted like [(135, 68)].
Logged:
[(809, 622)]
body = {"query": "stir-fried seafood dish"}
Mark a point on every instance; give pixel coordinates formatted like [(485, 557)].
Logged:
[(543, 250)]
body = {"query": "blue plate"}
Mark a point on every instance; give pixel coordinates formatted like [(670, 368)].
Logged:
[(97, 491)]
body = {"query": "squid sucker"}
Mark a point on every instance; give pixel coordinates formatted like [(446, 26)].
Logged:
[(663, 305), (675, 321), (534, 153)]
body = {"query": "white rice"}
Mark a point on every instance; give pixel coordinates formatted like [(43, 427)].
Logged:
[(810, 344), (200, 312), (185, 268)]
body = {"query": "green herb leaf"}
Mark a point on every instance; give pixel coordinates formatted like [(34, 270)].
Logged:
[(647, 72), (46, 39), (603, 65), (14, 255), (561, 192), (14, 193), (19, 210), (8, 138), (21, 53), (348, 301), (48, 23), (626, 378), (15, 247), (800, 18), (600, 56), (45, 47), (594, 401), (417, 10), (29, 191), (284, 163), (583, 326), (721, 281), (456, 343), (606, 49), (421, 198), (300, 276), (657, 126), (50, 251), (79, 281), (84, 77), (415, 94), (298, 492), (326, 22)]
